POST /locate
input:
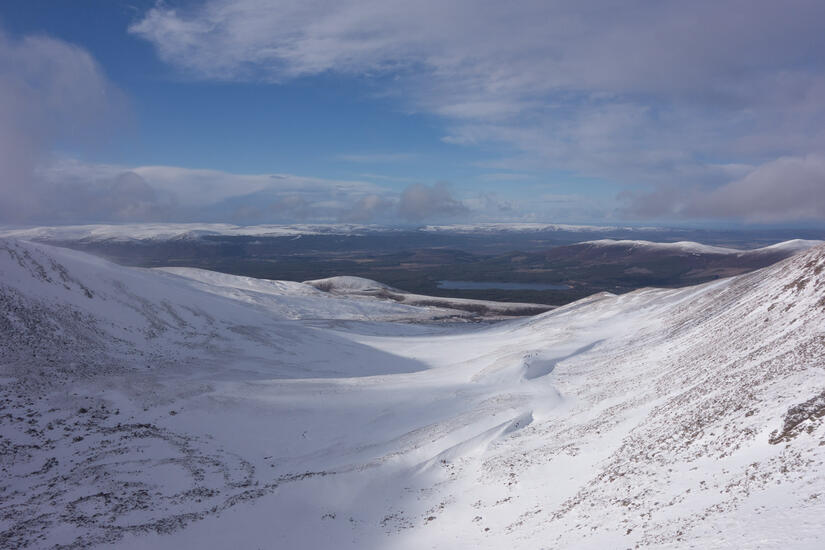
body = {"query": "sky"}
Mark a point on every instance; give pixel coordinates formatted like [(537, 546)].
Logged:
[(398, 112)]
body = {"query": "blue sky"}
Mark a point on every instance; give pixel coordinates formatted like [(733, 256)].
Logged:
[(386, 112)]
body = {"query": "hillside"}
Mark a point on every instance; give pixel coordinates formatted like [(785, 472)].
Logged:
[(522, 264), (169, 409)]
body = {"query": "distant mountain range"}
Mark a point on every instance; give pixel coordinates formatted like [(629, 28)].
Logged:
[(550, 264), (169, 231)]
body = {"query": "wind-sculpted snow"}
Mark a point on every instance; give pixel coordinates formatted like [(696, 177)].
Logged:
[(183, 408)]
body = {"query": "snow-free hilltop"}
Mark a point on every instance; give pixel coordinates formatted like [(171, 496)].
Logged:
[(182, 408)]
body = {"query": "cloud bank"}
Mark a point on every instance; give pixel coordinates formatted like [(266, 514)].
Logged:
[(789, 188), (50, 91), (785, 189), (82, 192), (370, 208), (421, 202)]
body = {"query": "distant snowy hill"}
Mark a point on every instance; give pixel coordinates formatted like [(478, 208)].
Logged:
[(185, 408), (688, 247), (169, 231), (347, 298), (527, 228)]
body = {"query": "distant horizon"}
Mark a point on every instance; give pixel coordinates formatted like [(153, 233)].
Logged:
[(744, 237), (653, 225)]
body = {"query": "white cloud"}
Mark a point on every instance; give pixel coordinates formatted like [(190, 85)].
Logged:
[(370, 208), (658, 93), (789, 188), (82, 192), (49, 90), (490, 59), (421, 202), (781, 190)]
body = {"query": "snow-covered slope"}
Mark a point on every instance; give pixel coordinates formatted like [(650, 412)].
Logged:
[(293, 300), (794, 245), (153, 410), (88, 303)]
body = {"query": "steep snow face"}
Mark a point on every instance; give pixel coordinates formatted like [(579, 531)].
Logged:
[(659, 418)]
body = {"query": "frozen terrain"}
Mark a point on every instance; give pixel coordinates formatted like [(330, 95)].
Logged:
[(190, 409)]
